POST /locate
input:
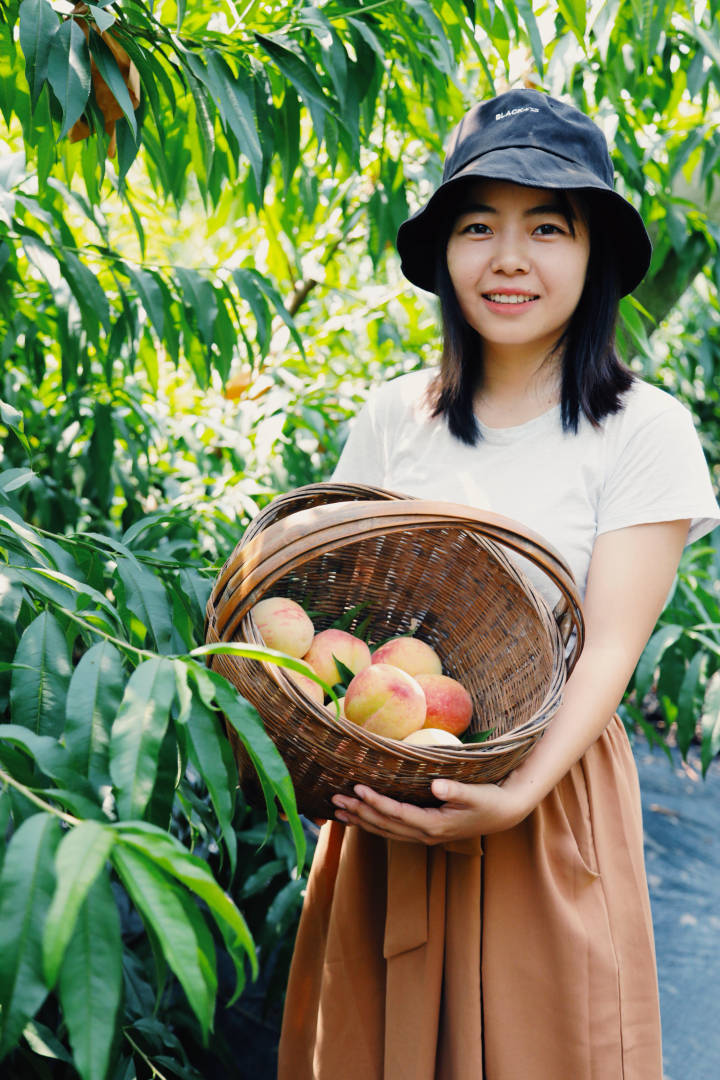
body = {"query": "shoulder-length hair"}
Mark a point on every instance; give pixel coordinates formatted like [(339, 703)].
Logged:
[(593, 377)]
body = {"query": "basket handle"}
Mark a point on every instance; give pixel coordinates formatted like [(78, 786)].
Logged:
[(308, 533)]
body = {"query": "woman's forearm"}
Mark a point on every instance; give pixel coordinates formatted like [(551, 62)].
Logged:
[(592, 694)]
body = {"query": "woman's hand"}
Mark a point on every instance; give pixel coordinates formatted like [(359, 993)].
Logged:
[(468, 811)]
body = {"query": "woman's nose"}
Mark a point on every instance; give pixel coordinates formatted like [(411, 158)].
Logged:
[(510, 257)]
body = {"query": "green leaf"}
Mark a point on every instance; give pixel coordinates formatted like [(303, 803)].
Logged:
[(210, 752), (101, 453), (650, 731), (688, 700), (196, 590), (37, 698), (709, 44), (66, 593), (137, 733), (346, 674), (38, 24), (151, 296), (167, 777), (50, 756), (68, 72), (143, 594), (13, 420), (199, 295), (334, 57), (268, 763), (93, 700), (652, 655), (271, 293), (233, 101), (14, 479), (285, 905), (205, 121), (575, 14), (169, 854), (179, 928), (107, 66), (526, 13), (11, 600), (477, 736), (441, 52), (85, 286), (262, 876), (44, 1043), (248, 289), (91, 981), (79, 859), (103, 19), (710, 722), (40, 548), (294, 67), (26, 887)]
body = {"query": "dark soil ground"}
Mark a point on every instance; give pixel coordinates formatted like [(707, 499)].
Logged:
[(682, 853)]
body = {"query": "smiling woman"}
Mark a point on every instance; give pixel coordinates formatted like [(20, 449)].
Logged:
[(517, 263), (507, 933)]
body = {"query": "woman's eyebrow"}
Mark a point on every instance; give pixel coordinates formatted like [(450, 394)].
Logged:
[(545, 208)]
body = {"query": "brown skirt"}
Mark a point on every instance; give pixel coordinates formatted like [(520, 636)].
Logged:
[(529, 958)]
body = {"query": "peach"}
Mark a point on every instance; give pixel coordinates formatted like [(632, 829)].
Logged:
[(284, 625), (449, 706), (431, 736), (330, 706), (313, 690), (410, 654), (385, 700), (328, 644)]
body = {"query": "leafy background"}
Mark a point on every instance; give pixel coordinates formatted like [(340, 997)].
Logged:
[(197, 287)]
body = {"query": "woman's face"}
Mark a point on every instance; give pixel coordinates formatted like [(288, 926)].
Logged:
[(516, 264)]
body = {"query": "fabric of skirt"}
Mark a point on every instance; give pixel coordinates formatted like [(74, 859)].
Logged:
[(528, 956)]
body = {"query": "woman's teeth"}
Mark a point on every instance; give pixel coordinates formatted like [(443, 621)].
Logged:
[(508, 298)]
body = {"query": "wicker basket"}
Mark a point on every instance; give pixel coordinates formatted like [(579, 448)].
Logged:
[(431, 568)]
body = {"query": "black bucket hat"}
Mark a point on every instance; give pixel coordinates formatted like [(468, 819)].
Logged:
[(529, 138)]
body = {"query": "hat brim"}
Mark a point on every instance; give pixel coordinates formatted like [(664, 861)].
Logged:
[(531, 167)]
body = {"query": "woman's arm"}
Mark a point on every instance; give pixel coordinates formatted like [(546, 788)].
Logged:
[(631, 573)]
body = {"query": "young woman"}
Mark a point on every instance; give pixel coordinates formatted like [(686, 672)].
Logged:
[(507, 934)]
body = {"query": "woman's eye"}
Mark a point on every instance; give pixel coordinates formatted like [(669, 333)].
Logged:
[(547, 229), (476, 228)]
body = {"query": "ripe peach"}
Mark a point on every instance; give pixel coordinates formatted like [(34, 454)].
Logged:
[(385, 700), (409, 653), (313, 690), (330, 706), (431, 736), (350, 650), (449, 706), (284, 625)]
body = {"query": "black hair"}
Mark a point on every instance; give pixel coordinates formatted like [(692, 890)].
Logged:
[(594, 379)]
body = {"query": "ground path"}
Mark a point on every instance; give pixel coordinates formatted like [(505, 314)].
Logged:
[(681, 813)]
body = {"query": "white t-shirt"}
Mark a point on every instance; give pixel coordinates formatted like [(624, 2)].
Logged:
[(643, 464)]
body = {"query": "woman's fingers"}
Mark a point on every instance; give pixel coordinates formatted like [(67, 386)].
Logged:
[(468, 810), (378, 813)]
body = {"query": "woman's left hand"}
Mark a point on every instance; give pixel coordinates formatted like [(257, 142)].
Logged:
[(467, 811)]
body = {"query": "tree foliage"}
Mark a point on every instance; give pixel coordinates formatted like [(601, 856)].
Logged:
[(198, 205)]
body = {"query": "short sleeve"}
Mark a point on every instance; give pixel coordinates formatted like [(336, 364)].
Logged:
[(660, 474), (362, 460)]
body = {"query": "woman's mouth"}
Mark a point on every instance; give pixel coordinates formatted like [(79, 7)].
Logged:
[(510, 298)]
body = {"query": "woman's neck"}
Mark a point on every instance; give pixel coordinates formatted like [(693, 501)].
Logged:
[(516, 387)]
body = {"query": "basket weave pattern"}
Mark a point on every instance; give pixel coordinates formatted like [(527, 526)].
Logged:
[(432, 569)]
